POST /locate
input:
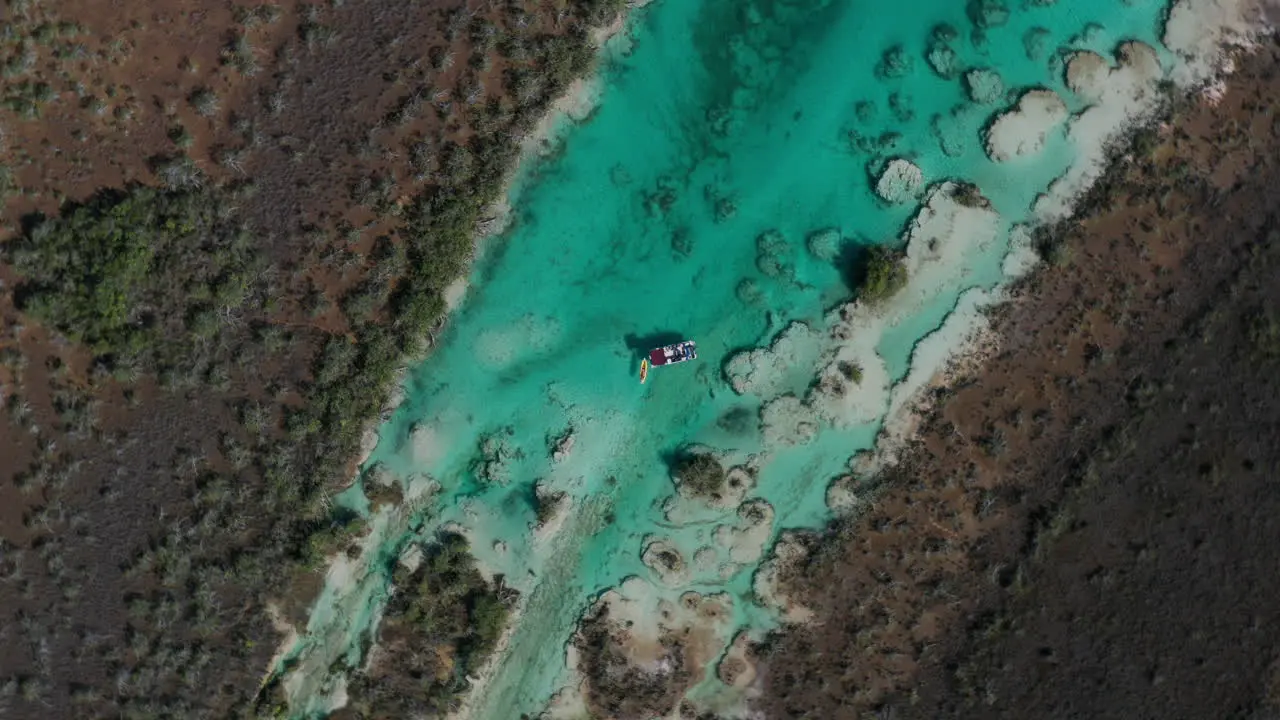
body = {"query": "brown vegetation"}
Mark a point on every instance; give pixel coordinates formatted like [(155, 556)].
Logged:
[(1083, 527), (275, 196)]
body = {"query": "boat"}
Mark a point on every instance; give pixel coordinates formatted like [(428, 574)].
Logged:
[(672, 354), (668, 355)]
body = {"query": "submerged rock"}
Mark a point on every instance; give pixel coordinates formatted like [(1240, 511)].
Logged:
[(549, 504), (824, 244), (900, 181), (772, 255), (943, 59), (985, 14), (745, 540), (865, 110), (786, 420), (900, 105), (763, 371), (492, 463), (947, 130), (983, 85), (1037, 42), (1024, 129), (748, 292), (895, 63), (563, 446)]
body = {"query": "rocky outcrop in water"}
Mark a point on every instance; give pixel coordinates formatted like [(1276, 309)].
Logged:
[(900, 182), (983, 85), (1024, 129)]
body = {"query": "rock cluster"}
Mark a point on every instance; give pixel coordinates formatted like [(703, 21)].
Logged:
[(900, 182)]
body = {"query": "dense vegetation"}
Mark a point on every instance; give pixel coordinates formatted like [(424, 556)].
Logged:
[(883, 274), (441, 624), (195, 362), (149, 280)]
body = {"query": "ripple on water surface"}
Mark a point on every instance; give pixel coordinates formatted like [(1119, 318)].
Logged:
[(717, 195)]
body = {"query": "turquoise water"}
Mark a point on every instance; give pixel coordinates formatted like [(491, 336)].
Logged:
[(626, 240)]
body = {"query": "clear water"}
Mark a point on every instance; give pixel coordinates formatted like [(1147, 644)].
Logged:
[(750, 100)]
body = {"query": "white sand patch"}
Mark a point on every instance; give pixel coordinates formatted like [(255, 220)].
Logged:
[(900, 181), (1024, 129), (290, 633), (1201, 33), (551, 525), (745, 540), (1022, 256), (500, 347), (764, 371), (570, 702), (455, 292), (368, 442), (787, 552), (411, 558), (1118, 97), (485, 675), (426, 446)]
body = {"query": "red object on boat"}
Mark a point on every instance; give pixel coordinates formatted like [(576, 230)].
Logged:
[(672, 354)]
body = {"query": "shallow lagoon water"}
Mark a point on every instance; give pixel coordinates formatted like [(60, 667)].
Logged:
[(623, 241)]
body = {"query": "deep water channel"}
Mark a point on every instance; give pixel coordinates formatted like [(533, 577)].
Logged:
[(729, 120)]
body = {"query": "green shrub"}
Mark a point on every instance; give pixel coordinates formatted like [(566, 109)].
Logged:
[(884, 275), (130, 274)]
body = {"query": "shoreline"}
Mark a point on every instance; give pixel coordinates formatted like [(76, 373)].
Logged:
[(574, 106), (974, 520), (1106, 149), (571, 108), (966, 336)]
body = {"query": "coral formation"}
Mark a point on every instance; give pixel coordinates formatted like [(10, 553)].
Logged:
[(900, 182), (773, 255), (1024, 129), (824, 244), (763, 371), (983, 85)]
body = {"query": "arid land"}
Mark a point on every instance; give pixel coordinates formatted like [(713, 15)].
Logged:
[(226, 228), (1083, 527)]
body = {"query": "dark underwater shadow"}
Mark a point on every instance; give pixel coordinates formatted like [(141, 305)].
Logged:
[(640, 345)]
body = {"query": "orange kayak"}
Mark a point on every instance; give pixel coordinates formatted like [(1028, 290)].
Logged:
[(644, 370)]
